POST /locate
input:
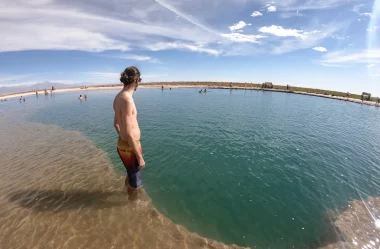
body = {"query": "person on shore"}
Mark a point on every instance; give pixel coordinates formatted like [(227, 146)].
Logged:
[(80, 97), (126, 125)]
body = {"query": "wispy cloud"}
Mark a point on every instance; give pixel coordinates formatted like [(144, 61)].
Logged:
[(301, 39), (295, 5), (366, 56), (137, 58), (182, 46), (372, 28), (237, 26), (366, 14), (256, 13), (149, 25), (320, 49), (243, 38), (13, 78)]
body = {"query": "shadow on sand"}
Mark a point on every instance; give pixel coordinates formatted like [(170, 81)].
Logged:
[(58, 200)]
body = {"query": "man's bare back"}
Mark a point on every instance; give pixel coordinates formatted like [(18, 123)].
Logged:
[(121, 105), (126, 125)]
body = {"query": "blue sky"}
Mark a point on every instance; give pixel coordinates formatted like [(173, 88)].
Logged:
[(331, 44)]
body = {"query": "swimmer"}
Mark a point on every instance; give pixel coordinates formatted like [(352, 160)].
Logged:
[(80, 97), (200, 91), (85, 96), (24, 99), (162, 88), (205, 90), (126, 125)]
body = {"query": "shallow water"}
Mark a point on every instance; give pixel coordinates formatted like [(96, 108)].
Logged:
[(245, 167), (58, 190)]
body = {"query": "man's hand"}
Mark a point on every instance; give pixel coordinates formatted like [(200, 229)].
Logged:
[(141, 163)]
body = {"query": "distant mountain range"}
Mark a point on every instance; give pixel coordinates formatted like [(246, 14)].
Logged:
[(38, 86)]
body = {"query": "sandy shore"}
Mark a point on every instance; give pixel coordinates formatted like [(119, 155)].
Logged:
[(113, 87)]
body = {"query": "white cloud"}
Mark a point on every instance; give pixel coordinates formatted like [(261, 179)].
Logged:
[(182, 46), (366, 14), (280, 31), (256, 13), (366, 56), (337, 37), (320, 49), (154, 25), (137, 58), (272, 9), (372, 28), (243, 38), (238, 26), (305, 39)]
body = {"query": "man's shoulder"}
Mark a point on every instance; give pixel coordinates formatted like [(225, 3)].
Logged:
[(125, 98)]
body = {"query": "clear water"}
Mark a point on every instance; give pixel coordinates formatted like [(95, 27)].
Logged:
[(245, 167)]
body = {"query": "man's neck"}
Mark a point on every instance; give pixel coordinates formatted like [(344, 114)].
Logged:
[(129, 89)]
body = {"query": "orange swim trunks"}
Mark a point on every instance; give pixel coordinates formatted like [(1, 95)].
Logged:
[(130, 162)]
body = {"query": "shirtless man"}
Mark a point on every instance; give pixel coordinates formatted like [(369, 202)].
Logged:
[(126, 125)]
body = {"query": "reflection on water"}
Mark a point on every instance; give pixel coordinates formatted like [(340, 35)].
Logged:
[(58, 190)]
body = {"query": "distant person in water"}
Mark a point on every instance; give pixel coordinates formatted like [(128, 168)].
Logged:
[(200, 91), (23, 99), (85, 96), (205, 90), (162, 88), (127, 127), (80, 97)]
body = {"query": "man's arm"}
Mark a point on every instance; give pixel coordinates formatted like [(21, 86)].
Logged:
[(127, 121), (116, 125)]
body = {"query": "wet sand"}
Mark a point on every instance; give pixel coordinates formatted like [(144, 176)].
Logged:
[(58, 190)]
